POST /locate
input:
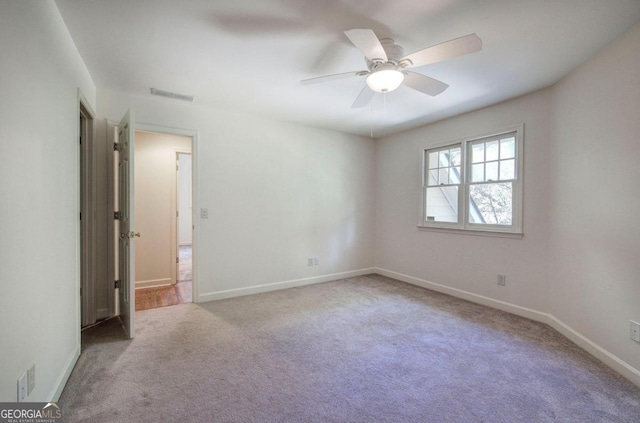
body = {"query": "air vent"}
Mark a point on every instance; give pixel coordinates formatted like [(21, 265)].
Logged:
[(169, 94)]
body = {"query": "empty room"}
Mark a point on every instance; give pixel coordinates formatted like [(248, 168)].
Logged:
[(409, 211)]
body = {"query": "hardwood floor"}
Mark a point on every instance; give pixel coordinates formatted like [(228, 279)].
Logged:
[(179, 293)]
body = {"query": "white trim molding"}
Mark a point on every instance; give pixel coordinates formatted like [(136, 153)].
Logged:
[(154, 283), (61, 382), (275, 286), (465, 295), (611, 360)]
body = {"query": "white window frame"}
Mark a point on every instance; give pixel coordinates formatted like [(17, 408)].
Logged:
[(464, 225)]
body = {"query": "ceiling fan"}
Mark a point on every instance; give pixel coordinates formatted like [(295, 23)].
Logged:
[(387, 65)]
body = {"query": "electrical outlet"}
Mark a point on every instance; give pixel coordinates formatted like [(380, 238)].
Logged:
[(204, 213), (502, 280), (316, 261), (22, 387), (634, 330), (31, 379), (310, 261)]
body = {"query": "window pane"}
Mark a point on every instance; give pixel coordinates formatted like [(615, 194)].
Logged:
[(444, 158), (491, 203), (455, 156), (433, 160), (454, 175), (507, 148), (443, 177), (477, 173), (478, 153), (442, 204), (432, 177), (491, 171), (507, 169), (492, 151)]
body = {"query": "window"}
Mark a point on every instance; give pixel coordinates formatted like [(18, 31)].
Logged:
[(474, 184)]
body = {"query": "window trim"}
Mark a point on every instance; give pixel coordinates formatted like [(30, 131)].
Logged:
[(463, 225), (425, 185)]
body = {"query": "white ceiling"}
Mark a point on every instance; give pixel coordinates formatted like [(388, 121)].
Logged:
[(250, 55)]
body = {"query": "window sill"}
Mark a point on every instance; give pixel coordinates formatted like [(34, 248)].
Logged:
[(474, 232)]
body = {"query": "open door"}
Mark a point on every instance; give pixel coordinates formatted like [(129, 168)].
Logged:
[(126, 245)]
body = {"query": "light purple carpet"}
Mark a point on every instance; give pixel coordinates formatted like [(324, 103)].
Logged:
[(365, 349)]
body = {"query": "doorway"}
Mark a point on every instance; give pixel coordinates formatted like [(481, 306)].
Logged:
[(163, 192)]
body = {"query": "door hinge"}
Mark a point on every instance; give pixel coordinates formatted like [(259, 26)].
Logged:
[(117, 215), (177, 259), (116, 146), (116, 284), (80, 215), (81, 291), (177, 214)]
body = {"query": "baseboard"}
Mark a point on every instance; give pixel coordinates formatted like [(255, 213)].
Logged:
[(102, 313), (469, 296), (617, 364), (606, 357), (258, 289), (54, 396), (154, 283)]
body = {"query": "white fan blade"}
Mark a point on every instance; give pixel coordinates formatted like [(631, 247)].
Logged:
[(363, 98), (444, 51), (423, 83), (368, 43), (333, 77)]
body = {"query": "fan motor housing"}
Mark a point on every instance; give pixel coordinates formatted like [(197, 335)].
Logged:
[(394, 53)]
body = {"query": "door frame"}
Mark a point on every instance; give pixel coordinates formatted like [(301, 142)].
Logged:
[(178, 152), (113, 230), (148, 127), (87, 209)]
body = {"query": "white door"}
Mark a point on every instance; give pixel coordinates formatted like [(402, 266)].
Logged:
[(126, 245)]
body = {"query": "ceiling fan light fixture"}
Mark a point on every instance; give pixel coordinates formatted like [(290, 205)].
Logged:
[(385, 80)]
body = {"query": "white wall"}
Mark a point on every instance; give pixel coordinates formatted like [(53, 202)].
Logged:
[(41, 71), (184, 200), (277, 193), (155, 206), (595, 198), (467, 262)]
